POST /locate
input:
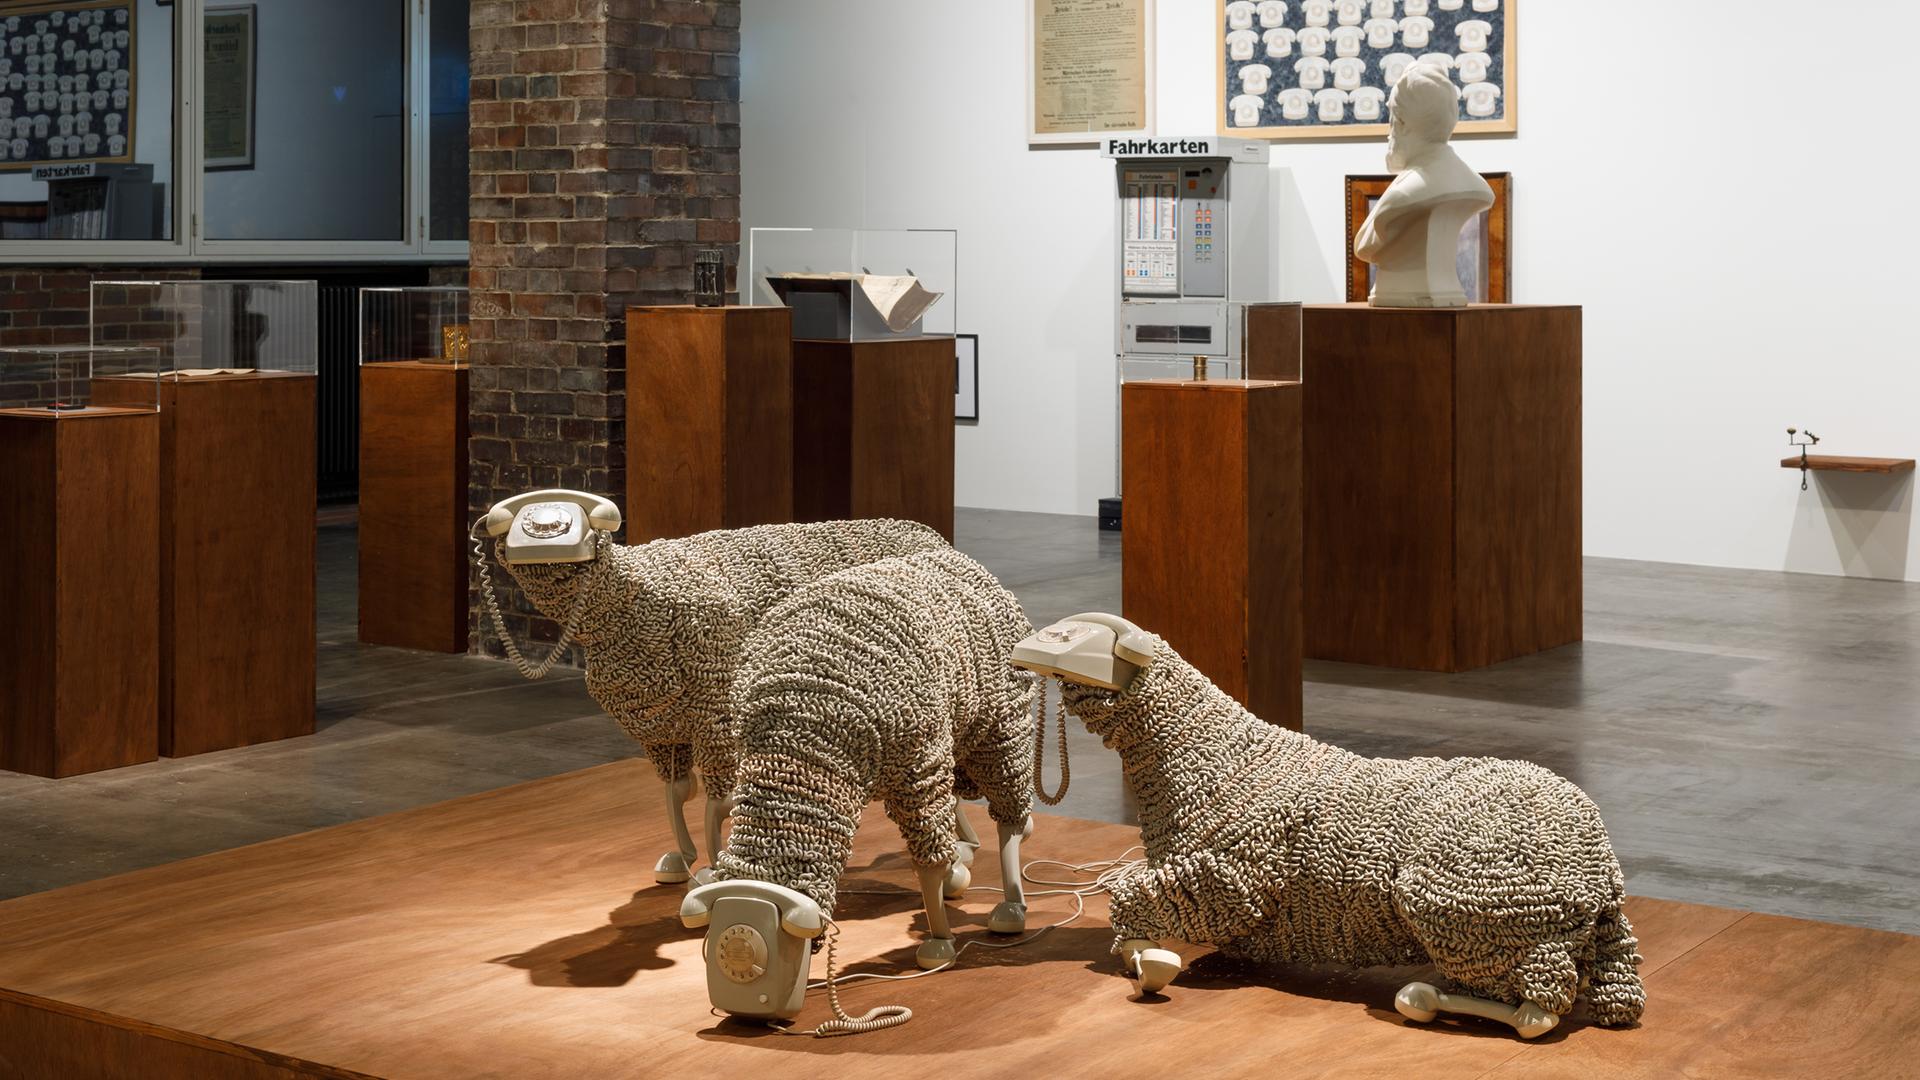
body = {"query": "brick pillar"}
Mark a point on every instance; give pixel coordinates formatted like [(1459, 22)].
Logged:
[(605, 150)]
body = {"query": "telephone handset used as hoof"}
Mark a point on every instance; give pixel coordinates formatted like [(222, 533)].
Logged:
[(758, 945), (551, 526), (1093, 648)]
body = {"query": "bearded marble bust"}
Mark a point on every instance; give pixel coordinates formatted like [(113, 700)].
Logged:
[(1413, 233)]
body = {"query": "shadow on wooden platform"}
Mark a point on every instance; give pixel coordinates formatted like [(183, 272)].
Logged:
[(516, 934)]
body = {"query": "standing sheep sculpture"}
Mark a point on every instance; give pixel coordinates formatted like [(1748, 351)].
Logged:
[(662, 624), (1279, 849), (892, 681)]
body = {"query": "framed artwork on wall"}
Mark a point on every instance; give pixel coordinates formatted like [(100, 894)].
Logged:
[(227, 116), (67, 85), (1089, 70), (1483, 259), (966, 376), (1319, 69)]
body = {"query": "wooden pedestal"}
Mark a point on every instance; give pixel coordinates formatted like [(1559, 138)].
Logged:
[(873, 430), (79, 591), (1212, 539), (1442, 483), (236, 558), (413, 506), (709, 419)]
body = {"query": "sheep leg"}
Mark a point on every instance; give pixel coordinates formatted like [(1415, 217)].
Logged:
[(1421, 1002), (1010, 915), (937, 950), (969, 840), (718, 809), (674, 867)]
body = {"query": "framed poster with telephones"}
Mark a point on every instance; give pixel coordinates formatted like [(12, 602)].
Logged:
[(1318, 69), (67, 84)]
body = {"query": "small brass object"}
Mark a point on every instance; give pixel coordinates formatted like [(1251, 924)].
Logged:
[(453, 343), (1199, 369)]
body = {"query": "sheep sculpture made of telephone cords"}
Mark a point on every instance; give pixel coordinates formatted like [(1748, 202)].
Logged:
[(1276, 848), (662, 625), (890, 680)]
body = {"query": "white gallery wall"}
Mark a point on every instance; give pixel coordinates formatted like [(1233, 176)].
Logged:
[(1726, 205)]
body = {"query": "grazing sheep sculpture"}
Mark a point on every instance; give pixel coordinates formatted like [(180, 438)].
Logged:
[(1280, 849), (662, 624), (890, 681)]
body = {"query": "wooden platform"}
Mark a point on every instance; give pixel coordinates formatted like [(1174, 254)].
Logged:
[(1835, 463), (512, 934), (413, 505)]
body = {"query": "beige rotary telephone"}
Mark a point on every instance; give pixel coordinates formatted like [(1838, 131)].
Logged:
[(542, 527), (758, 945), (1093, 648), (551, 526)]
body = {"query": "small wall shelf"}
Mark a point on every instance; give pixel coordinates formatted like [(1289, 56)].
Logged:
[(1831, 463)]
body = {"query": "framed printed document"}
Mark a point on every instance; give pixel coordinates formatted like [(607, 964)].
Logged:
[(1089, 70), (67, 84), (227, 115)]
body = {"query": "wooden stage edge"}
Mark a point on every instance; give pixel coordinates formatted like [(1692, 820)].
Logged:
[(515, 933)]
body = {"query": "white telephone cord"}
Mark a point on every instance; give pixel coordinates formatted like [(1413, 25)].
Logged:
[(1104, 872), (1039, 753), (531, 671)]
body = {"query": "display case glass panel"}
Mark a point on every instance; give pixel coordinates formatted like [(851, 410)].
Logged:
[(858, 284), (58, 379), (425, 325), (211, 327)]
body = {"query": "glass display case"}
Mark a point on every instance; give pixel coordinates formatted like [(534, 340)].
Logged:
[(58, 380), (858, 284), (211, 327), (425, 325)]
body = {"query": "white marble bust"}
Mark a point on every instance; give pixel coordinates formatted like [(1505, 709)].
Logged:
[(1413, 233)]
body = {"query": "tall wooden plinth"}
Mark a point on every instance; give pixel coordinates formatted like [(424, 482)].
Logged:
[(1443, 483), (873, 430), (79, 643), (236, 558), (709, 419), (1212, 541), (413, 506)]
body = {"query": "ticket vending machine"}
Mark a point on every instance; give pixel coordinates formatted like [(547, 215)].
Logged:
[(1193, 257)]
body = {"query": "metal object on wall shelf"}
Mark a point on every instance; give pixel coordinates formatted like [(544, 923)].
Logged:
[(1794, 440), (1199, 369), (709, 278)]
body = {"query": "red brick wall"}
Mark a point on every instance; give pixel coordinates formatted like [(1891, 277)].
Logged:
[(604, 151), (47, 305)]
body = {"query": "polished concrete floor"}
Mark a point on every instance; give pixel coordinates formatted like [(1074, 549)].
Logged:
[(1753, 739)]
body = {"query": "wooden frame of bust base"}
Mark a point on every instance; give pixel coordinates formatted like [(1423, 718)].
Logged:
[(1507, 124), (1359, 189)]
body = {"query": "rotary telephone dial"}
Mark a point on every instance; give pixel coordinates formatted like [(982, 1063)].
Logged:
[(758, 945)]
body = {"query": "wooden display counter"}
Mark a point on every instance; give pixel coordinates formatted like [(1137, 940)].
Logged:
[(1211, 554), (79, 590), (515, 933), (709, 419), (413, 505), (873, 430), (236, 541), (1442, 483)]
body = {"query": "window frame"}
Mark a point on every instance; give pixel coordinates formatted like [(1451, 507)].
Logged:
[(188, 192)]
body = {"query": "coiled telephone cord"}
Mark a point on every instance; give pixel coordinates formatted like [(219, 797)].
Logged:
[(1040, 748), (530, 670)]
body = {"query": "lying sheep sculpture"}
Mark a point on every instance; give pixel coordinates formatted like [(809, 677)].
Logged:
[(662, 624), (1276, 848), (891, 681)]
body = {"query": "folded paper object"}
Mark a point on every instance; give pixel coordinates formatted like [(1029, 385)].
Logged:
[(852, 307)]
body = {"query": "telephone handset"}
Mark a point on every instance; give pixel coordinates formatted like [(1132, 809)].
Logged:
[(757, 945), (551, 526), (1094, 648)]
